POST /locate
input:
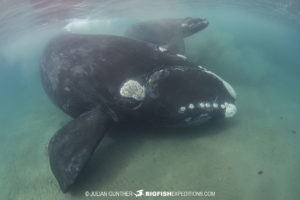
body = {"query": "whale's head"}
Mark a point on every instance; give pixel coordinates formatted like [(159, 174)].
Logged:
[(186, 96), (189, 25)]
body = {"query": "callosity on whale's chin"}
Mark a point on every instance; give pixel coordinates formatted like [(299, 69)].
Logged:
[(190, 96)]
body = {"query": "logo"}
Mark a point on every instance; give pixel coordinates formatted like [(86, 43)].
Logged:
[(139, 193)]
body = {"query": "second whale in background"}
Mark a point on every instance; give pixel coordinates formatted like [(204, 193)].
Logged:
[(170, 32)]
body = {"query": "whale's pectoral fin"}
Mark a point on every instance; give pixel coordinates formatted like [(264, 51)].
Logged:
[(72, 146), (176, 45)]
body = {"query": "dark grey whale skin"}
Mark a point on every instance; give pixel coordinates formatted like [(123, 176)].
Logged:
[(169, 32), (83, 76)]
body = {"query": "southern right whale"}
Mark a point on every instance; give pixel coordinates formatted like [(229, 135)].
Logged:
[(103, 80), (170, 32)]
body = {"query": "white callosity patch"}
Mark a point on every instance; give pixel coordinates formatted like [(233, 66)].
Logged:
[(201, 105), (226, 84), (133, 89), (191, 106), (230, 110), (162, 49), (181, 109)]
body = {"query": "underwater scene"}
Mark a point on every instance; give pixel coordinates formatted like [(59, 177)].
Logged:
[(140, 99)]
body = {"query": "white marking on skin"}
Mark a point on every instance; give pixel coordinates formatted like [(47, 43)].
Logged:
[(183, 25), (207, 105), (67, 89), (202, 105), (200, 67), (133, 89), (230, 110), (162, 49), (191, 106), (199, 119), (215, 105), (180, 69), (230, 89), (181, 56), (222, 106), (204, 115), (226, 84), (181, 109)]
